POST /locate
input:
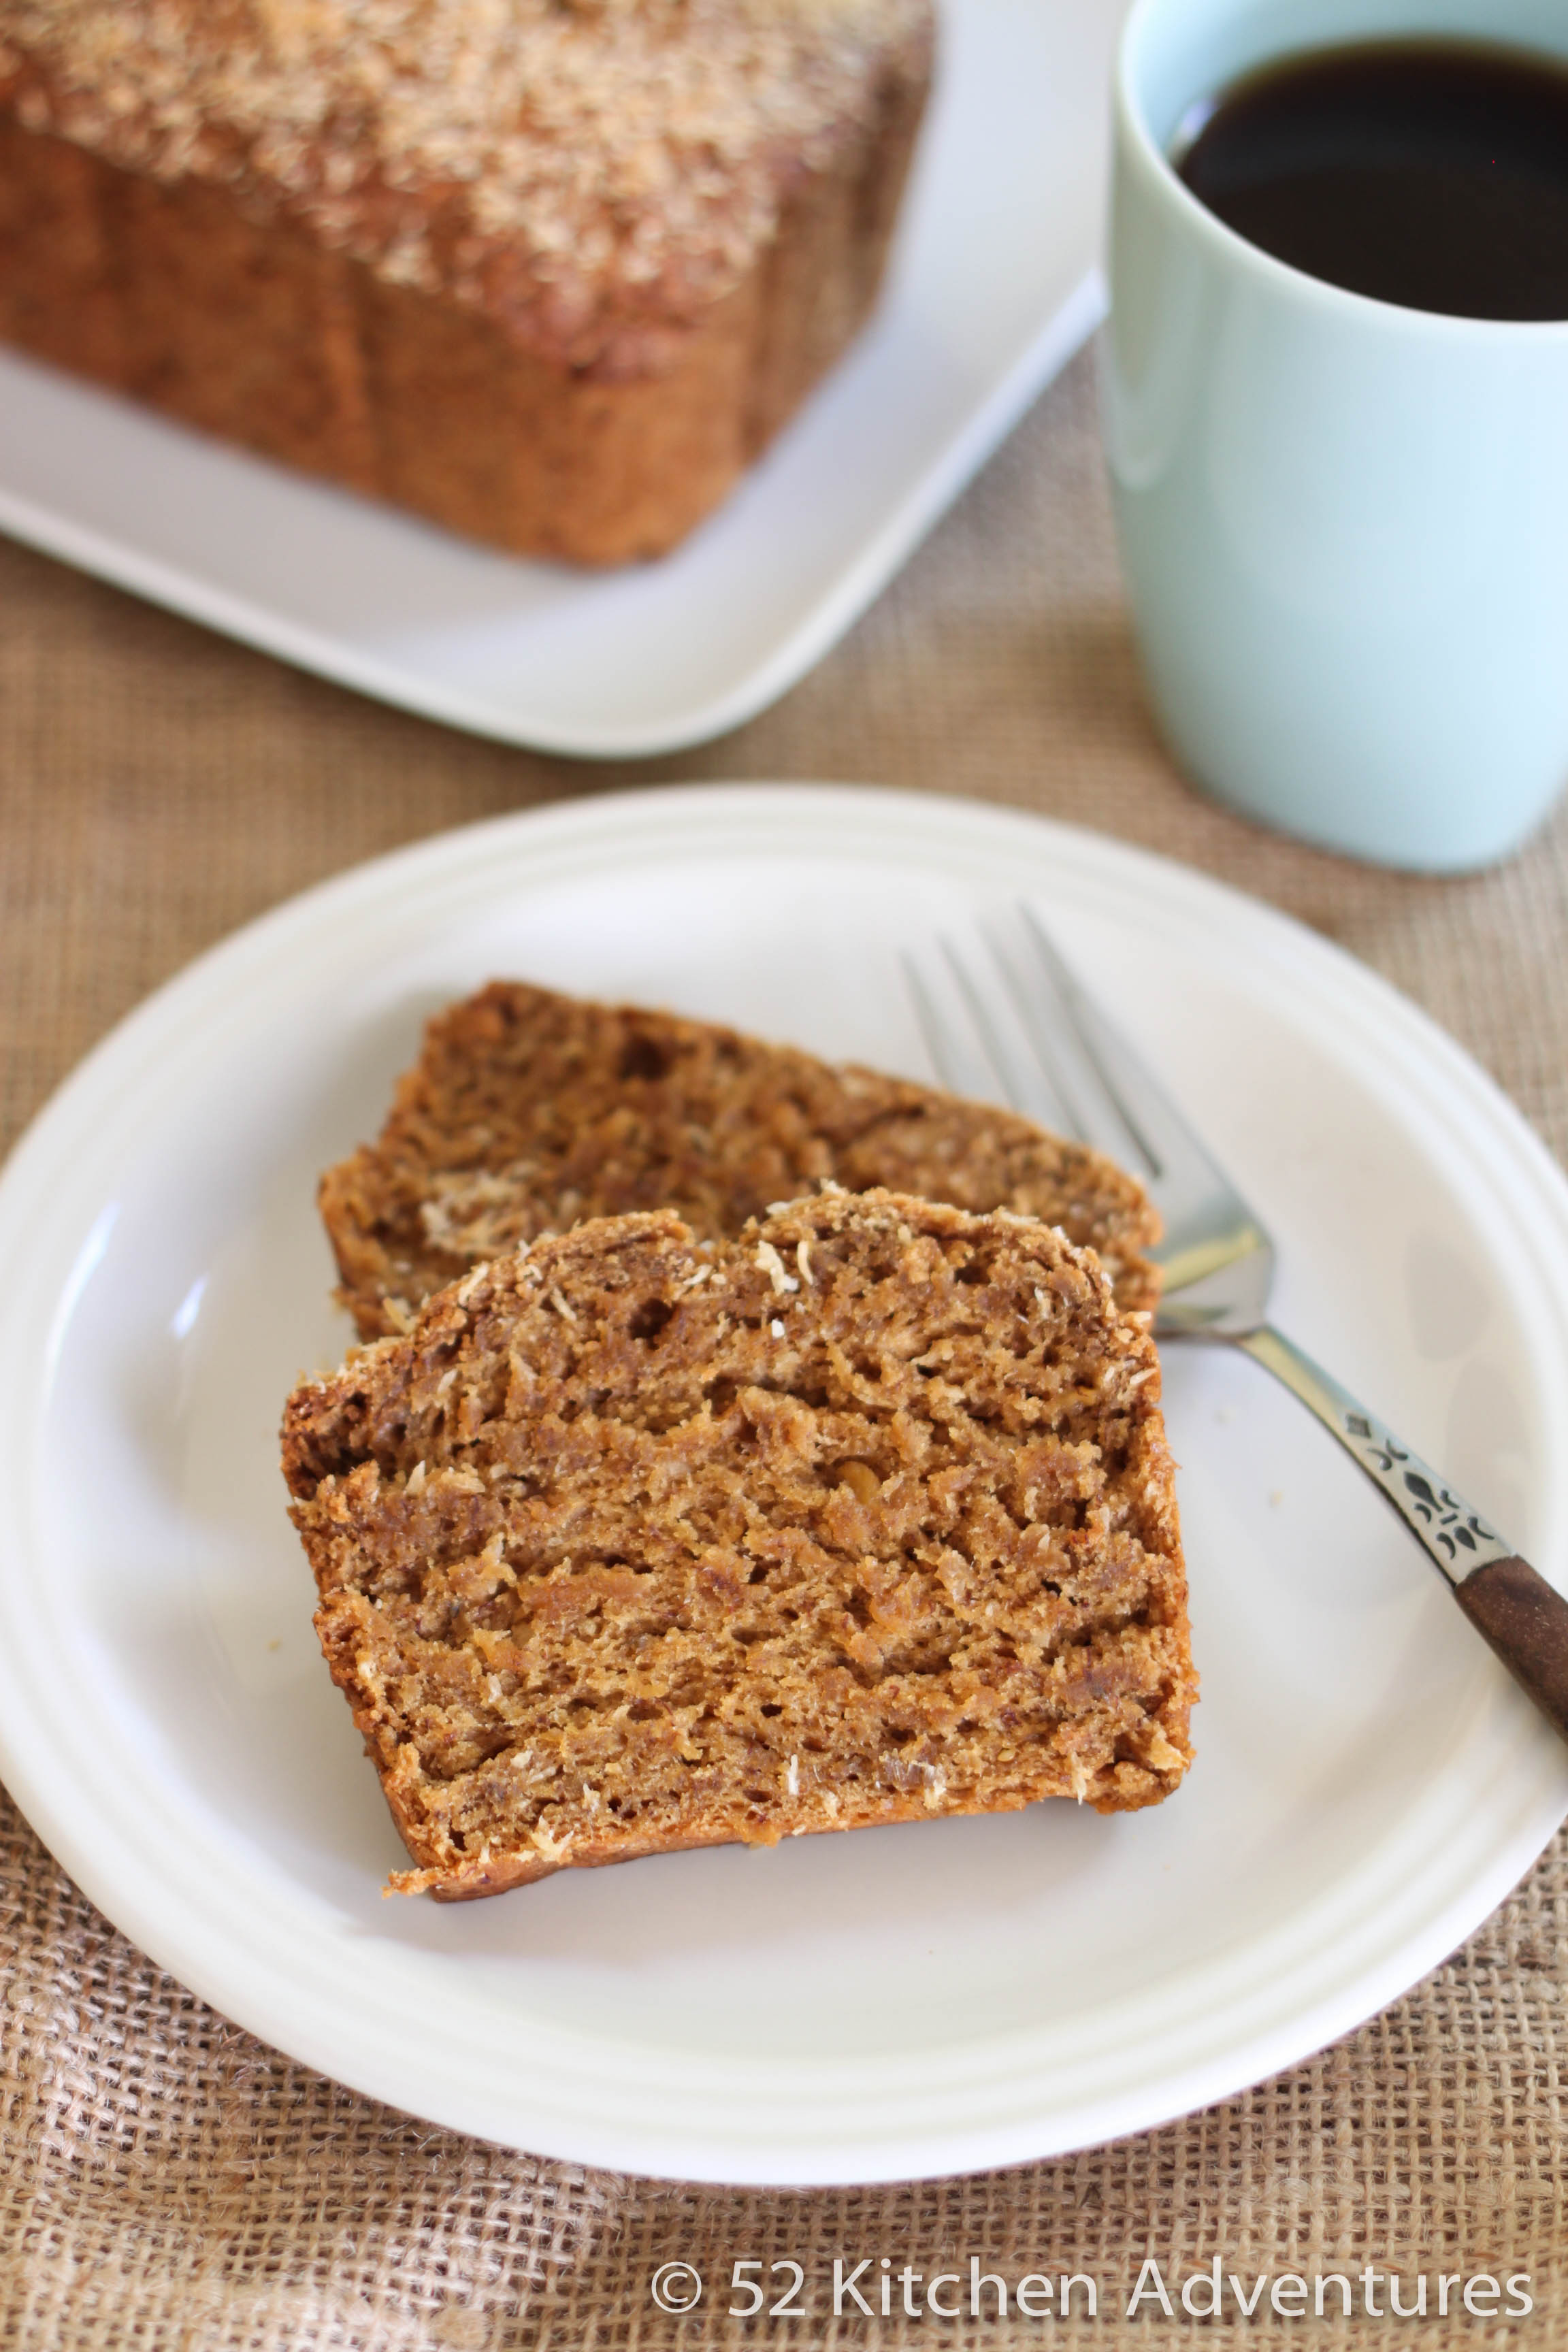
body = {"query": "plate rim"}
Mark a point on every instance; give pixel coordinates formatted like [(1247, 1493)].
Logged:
[(869, 568), (726, 816)]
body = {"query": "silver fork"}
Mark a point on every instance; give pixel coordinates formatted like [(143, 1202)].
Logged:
[(1043, 1040)]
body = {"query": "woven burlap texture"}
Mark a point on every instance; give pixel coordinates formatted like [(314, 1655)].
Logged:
[(165, 2180)]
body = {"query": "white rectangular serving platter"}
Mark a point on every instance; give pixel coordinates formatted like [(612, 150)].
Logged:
[(994, 285)]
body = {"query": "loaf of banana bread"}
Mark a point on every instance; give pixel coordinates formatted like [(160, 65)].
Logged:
[(551, 272), (528, 1110), (635, 1542)]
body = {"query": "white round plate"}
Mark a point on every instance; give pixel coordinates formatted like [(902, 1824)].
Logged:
[(903, 2002)]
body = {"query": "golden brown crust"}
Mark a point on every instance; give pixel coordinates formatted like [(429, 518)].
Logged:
[(589, 173), (260, 275), (529, 1109), (636, 1543)]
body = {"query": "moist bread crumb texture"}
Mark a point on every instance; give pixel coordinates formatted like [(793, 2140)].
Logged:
[(636, 1542), (528, 1110)]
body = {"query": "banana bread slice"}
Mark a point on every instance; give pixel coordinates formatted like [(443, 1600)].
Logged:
[(635, 1542), (528, 1110)]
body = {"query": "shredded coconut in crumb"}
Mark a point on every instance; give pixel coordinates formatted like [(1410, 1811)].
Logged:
[(772, 1265), (682, 1586)]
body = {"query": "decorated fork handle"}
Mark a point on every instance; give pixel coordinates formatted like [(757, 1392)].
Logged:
[(1522, 1616)]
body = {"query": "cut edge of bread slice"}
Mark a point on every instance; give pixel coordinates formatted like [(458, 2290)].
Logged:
[(637, 1542), (529, 1110)]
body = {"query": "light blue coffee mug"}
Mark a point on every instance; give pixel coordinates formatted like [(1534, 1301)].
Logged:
[(1343, 524)]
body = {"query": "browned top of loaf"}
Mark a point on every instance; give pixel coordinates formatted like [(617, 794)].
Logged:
[(589, 171), (528, 1110), (635, 1542)]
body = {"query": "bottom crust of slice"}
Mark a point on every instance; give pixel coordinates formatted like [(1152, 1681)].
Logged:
[(500, 1878)]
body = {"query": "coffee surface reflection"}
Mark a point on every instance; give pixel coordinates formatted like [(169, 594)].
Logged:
[(1431, 173)]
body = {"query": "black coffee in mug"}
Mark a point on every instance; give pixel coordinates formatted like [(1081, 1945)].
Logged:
[(1431, 173)]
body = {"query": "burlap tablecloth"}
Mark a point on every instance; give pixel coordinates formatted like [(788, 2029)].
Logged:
[(165, 2181)]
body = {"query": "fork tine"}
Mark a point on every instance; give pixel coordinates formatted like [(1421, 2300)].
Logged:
[(977, 1034), (1169, 1145), (949, 1044), (977, 1046), (1207, 1222), (1103, 1047), (1014, 1088), (1048, 1019)]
